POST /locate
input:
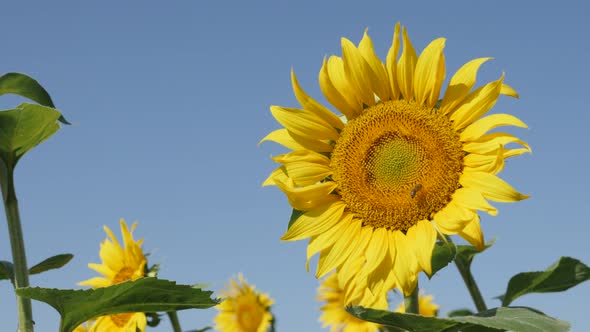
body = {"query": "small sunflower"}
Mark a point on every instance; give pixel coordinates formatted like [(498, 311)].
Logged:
[(332, 292), (119, 264), (243, 308), (426, 306), (400, 165)]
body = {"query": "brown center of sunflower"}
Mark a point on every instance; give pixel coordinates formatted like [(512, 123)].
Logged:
[(397, 163)]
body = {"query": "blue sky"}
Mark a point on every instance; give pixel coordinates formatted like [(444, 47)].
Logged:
[(170, 100)]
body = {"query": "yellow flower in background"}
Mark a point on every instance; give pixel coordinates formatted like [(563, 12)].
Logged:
[(426, 306), (399, 166), (243, 308), (119, 264), (332, 292)]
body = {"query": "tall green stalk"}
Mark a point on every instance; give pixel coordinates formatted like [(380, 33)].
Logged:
[(470, 283), (174, 321), (17, 244)]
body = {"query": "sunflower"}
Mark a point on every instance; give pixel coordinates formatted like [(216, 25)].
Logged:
[(243, 309), (332, 292), (398, 167), (426, 306), (119, 264)]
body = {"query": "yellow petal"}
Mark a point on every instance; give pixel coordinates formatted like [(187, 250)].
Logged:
[(333, 95), (491, 142), (325, 240), (302, 156), (376, 249), (294, 142), (473, 234), (508, 91), (491, 187), (452, 218), (476, 104), (280, 173), (430, 73), (304, 123), (406, 266), (460, 85), (306, 173), (391, 64), (475, 130), (309, 197), (381, 83), (310, 104), (490, 163), (96, 282), (335, 73), (425, 240), (406, 67), (341, 248), (473, 199), (357, 72), (315, 221)]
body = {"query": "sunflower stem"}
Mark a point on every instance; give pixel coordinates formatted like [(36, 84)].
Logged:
[(411, 302), (470, 283), (174, 321), (17, 244)]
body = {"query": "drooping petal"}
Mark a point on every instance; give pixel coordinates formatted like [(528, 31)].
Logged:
[(341, 248), (310, 104), (460, 85), (406, 67), (473, 199), (315, 221), (406, 265), (491, 187), (430, 73), (508, 91), (473, 234), (452, 218), (375, 252), (306, 173), (478, 128), (302, 156), (391, 64), (425, 240), (325, 240)]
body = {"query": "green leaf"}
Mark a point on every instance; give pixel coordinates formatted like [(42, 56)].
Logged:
[(468, 252), (442, 255), (295, 214), (25, 86), (51, 263), (461, 312), (141, 295), (23, 128), (562, 275), (6, 270), (520, 319)]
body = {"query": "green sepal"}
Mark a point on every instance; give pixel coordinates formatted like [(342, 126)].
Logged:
[(51, 263), (442, 254), (6, 271), (567, 272), (520, 319), (141, 295), (25, 86), (24, 128), (295, 214)]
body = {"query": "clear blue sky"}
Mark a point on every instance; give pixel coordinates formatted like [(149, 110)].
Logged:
[(169, 101)]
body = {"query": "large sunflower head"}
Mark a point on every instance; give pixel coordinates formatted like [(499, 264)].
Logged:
[(332, 291), (119, 264), (400, 165), (243, 308)]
